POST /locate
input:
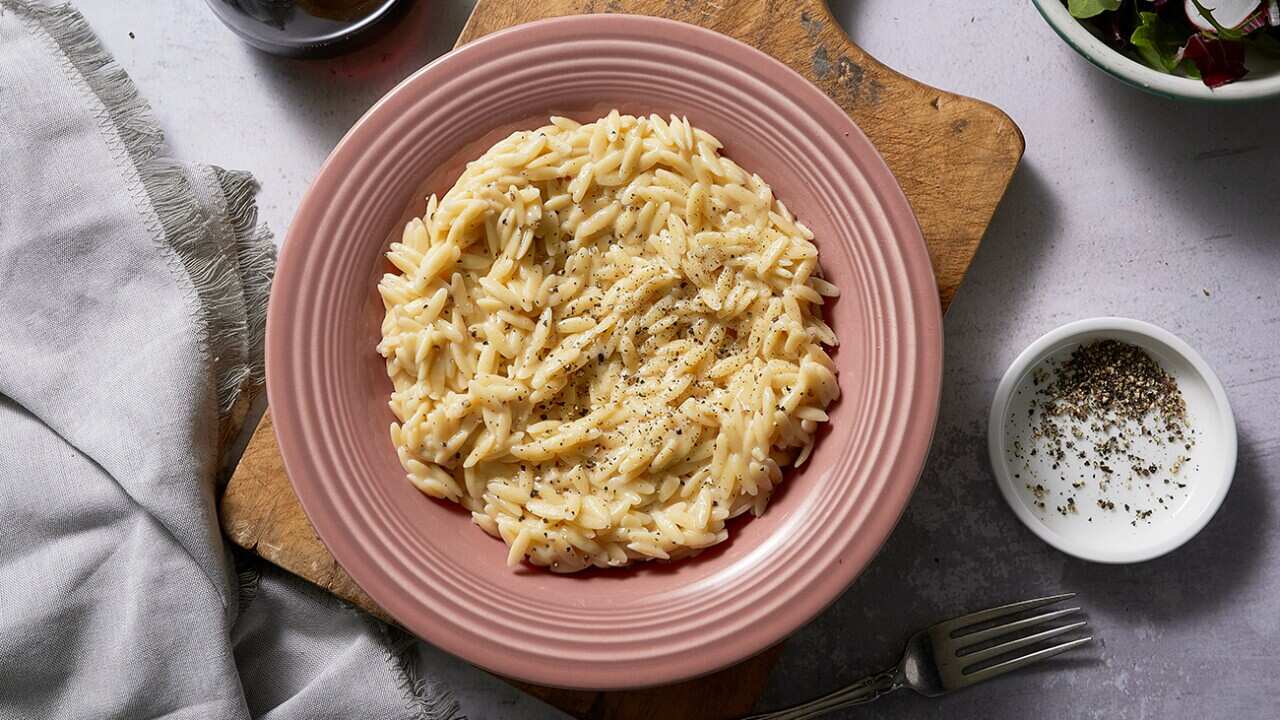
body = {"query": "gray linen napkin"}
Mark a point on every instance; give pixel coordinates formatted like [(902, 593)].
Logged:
[(132, 297)]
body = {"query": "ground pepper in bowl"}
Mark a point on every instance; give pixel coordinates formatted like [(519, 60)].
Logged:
[(1109, 414)]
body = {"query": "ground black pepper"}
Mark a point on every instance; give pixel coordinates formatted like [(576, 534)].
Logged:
[(1122, 395)]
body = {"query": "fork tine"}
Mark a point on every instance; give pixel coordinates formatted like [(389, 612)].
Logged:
[(973, 658), (978, 636), (978, 676), (998, 612)]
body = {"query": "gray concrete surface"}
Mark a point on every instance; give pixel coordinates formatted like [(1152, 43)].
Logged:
[(1125, 204)]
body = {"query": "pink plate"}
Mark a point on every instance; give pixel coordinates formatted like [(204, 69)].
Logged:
[(423, 560)]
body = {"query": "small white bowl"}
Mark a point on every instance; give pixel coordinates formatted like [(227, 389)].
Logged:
[(1116, 535), (1261, 82)]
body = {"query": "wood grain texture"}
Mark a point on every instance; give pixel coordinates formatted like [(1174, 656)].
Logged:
[(953, 156)]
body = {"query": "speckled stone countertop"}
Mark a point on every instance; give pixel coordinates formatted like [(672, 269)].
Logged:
[(1125, 204)]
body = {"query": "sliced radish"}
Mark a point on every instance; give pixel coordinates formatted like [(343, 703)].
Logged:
[(1230, 14)]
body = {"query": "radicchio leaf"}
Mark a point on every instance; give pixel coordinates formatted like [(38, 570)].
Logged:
[(1111, 27), (1219, 61)]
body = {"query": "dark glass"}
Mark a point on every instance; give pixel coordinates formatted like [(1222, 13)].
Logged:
[(307, 28)]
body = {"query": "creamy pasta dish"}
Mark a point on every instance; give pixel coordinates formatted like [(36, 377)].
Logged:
[(605, 341)]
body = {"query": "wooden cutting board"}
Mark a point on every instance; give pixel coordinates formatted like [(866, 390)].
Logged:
[(954, 157)]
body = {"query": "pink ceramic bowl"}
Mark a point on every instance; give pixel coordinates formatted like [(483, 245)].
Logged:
[(423, 560)]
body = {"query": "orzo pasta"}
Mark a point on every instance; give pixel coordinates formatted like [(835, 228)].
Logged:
[(605, 341)]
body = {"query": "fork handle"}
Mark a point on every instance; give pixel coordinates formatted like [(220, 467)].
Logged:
[(865, 690)]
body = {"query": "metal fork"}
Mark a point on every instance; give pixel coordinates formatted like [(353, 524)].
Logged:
[(951, 655)]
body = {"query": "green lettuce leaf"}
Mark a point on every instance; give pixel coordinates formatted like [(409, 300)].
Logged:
[(1158, 42), (1090, 8)]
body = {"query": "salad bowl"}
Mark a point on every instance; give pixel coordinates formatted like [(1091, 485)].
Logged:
[(1261, 82)]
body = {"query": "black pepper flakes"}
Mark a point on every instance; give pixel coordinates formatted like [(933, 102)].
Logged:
[(1120, 393)]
